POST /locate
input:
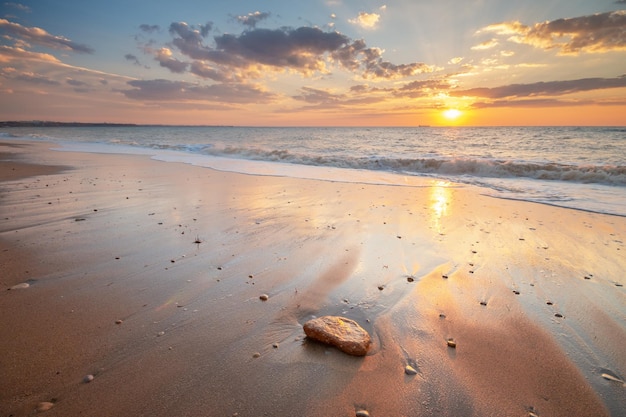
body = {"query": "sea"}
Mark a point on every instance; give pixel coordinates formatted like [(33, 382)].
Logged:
[(582, 168)]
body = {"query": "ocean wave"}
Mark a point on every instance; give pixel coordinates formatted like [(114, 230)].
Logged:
[(439, 166)]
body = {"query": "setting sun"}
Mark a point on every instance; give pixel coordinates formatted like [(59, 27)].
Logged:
[(452, 114)]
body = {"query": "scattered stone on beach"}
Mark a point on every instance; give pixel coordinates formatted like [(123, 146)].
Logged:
[(118, 321), (362, 413), (381, 287), (256, 355), (610, 377), (409, 370), (159, 334), (275, 345), (20, 286), (410, 279), (341, 332), (264, 297), (88, 378), (44, 406), (451, 343), (558, 315)]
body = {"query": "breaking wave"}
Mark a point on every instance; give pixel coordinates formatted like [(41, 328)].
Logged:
[(439, 166)]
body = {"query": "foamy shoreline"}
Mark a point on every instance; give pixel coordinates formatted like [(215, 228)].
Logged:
[(572, 167), (119, 289)]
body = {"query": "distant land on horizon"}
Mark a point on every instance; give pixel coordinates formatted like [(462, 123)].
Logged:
[(46, 123)]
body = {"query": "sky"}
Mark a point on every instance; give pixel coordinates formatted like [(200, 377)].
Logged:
[(315, 63)]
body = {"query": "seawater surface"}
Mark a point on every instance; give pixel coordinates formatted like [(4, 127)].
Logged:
[(576, 167)]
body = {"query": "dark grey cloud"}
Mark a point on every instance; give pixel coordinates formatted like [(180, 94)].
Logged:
[(167, 90), (75, 83), (300, 48), (40, 37), (149, 28), (550, 88), (251, 19), (602, 32), (35, 79), (205, 29), (132, 58), (304, 49)]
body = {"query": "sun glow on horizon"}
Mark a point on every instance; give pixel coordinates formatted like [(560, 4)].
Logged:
[(452, 114)]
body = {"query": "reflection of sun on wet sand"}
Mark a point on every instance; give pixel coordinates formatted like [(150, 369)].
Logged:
[(475, 306)]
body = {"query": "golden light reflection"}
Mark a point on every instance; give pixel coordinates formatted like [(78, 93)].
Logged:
[(440, 197)]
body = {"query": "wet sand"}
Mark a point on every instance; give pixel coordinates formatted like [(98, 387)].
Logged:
[(147, 276)]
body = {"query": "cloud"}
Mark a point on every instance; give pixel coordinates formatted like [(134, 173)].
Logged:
[(325, 100), (133, 59), (305, 50), (424, 88), (8, 53), (75, 83), (167, 90), (203, 70), (18, 6), (165, 59), (149, 28), (537, 103), (602, 32), (492, 43), (205, 29), (251, 19), (32, 78), (41, 37), (550, 88), (366, 20)]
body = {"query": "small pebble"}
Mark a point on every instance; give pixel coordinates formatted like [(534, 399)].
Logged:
[(44, 406), (160, 334), (409, 370), (410, 279), (256, 355), (483, 303), (264, 297), (362, 413), (451, 343), (275, 345), (88, 378), (118, 321), (558, 315), (380, 287)]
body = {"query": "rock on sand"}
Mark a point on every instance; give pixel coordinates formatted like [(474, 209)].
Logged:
[(343, 333)]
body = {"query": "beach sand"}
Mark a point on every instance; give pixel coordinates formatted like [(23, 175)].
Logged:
[(147, 275)]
